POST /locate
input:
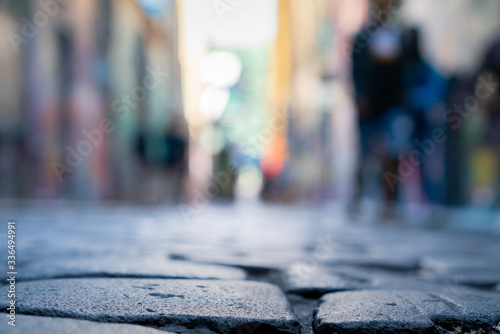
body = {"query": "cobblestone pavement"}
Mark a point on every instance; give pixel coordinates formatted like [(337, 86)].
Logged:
[(242, 269)]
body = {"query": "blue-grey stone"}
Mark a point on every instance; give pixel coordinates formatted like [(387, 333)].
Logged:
[(314, 281), (387, 311), (216, 305), (25, 324), (125, 267)]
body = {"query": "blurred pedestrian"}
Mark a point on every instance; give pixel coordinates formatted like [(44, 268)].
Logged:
[(163, 161), (175, 158), (425, 94), (384, 123)]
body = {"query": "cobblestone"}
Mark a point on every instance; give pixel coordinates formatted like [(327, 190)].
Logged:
[(48, 325), (245, 270), (221, 306), (387, 311)]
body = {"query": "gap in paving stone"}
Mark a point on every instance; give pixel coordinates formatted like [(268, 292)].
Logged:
[(251, 270), (304, 309), (269, 276), (452, 327), (303, 306)]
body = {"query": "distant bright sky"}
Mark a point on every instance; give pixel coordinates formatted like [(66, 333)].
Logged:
[(231, 23)]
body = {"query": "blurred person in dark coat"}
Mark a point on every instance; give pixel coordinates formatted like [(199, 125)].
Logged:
[(384, 124)]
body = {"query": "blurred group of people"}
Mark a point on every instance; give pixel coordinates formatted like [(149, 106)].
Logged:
[(410, 116), (400, 99)]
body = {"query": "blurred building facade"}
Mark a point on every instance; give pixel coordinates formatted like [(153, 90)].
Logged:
[(82, 79)]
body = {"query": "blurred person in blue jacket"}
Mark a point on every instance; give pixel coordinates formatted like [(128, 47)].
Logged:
[(425, 95)]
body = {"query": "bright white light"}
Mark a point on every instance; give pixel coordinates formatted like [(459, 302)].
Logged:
[(249, 182), (213, 101), (221, 69), (386, 45)]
